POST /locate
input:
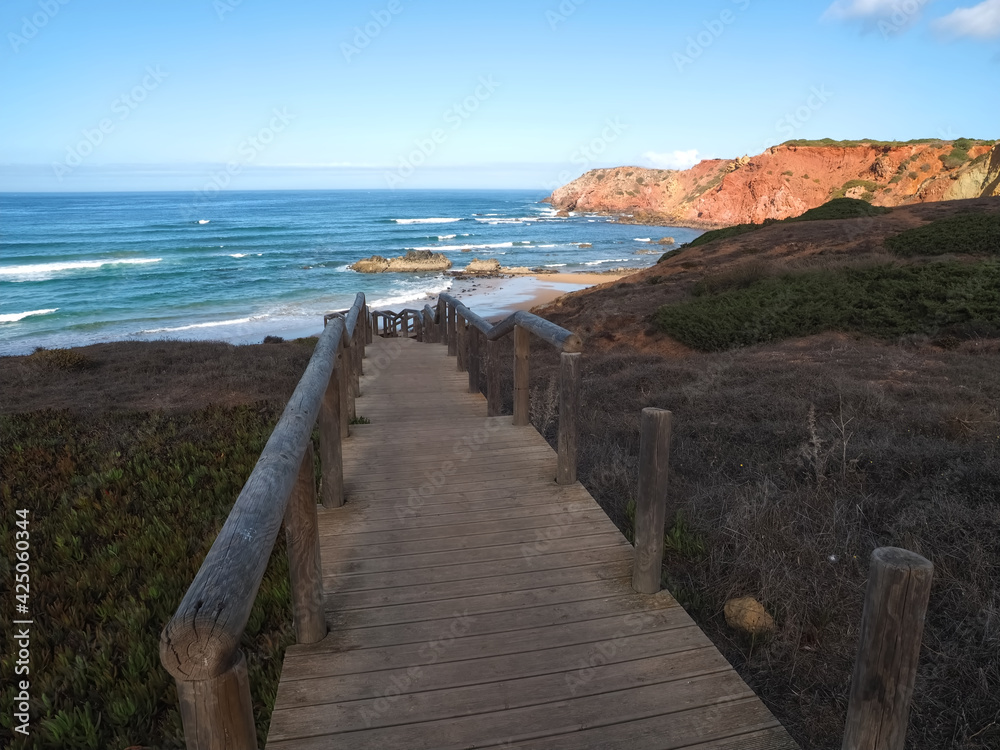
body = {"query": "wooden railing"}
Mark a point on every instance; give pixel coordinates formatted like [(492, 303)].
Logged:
[(468, 336), (387, 323), (200, 646)]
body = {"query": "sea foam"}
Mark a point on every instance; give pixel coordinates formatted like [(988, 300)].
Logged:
[(44, 271), (425, 221), (14, 317), (193, 326)]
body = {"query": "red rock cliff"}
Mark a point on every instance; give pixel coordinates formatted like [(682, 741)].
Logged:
[(787, 180)]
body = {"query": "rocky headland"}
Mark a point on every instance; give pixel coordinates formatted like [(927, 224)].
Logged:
[(787, 180)]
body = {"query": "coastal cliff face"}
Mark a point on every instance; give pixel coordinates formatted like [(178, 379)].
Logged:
[(787, 180)]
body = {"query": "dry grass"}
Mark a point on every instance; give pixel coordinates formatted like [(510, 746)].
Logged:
[(167, 375), (791, 463)]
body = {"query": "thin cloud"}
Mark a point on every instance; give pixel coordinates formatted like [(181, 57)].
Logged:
[(853, 9), (673, 159), (979, 22), (890, 17)]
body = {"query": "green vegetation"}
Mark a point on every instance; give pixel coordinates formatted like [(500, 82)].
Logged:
[(719, 234), (863, 142), (841, 208), (123, 508), (883, 301), (912, 175), (976, 234), (838, 208), (788, 173), (840, 192), (361, 420)]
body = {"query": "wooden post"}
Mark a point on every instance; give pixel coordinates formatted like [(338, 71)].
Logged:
[(368, 326), (342, 375), (351, 379), (406, 325), (359, 356), (522, 396), (330, 449), (452, 342), (461, 342), (442, 317), (899, 587), (651, 505), (304, 571), (474, 334), (569, 406), (217, 713), (418, 325), (493, 397)]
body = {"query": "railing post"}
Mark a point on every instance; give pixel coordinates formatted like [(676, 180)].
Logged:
[(406, 325), (493, 397), (899, 587), (418, 325), (302, 541), (651, 505), (569, 406), (330, 448), (368, 326), (461, 334), (442, 317), (452, 342), (217, 713), (474, 334), (522, 396), (359, 356)]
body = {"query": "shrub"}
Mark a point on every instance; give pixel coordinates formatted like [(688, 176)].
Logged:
[(912, 175), (884, 301), (789, 173), (59, 359), (841, 208), (719, 234), (840, 192), (977, 234)]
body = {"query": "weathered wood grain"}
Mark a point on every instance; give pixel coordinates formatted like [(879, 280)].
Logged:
[(899, 587)]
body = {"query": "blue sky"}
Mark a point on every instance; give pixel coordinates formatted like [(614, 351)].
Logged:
[(250, 94)]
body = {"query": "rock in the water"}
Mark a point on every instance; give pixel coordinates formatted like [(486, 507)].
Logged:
[(666, 241), (413, 261), (483, 266), (748, 614)]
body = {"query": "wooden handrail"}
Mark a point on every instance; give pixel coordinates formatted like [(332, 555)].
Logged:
[(463, 331), (557, 336), (199, 647)]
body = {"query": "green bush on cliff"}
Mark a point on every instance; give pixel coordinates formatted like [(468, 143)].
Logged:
[(976, 234), (885, 302), (841, 208), (838, 208)]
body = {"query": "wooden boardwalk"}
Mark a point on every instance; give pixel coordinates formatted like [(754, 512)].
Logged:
[(474, 603)]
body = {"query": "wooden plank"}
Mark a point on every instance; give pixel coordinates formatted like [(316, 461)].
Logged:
[(359, 714), (475, 602), (545, 719)]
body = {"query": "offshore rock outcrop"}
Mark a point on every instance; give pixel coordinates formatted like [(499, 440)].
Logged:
[(413, 262)]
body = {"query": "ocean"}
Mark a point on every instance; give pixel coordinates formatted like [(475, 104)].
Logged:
[(83, 268)]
